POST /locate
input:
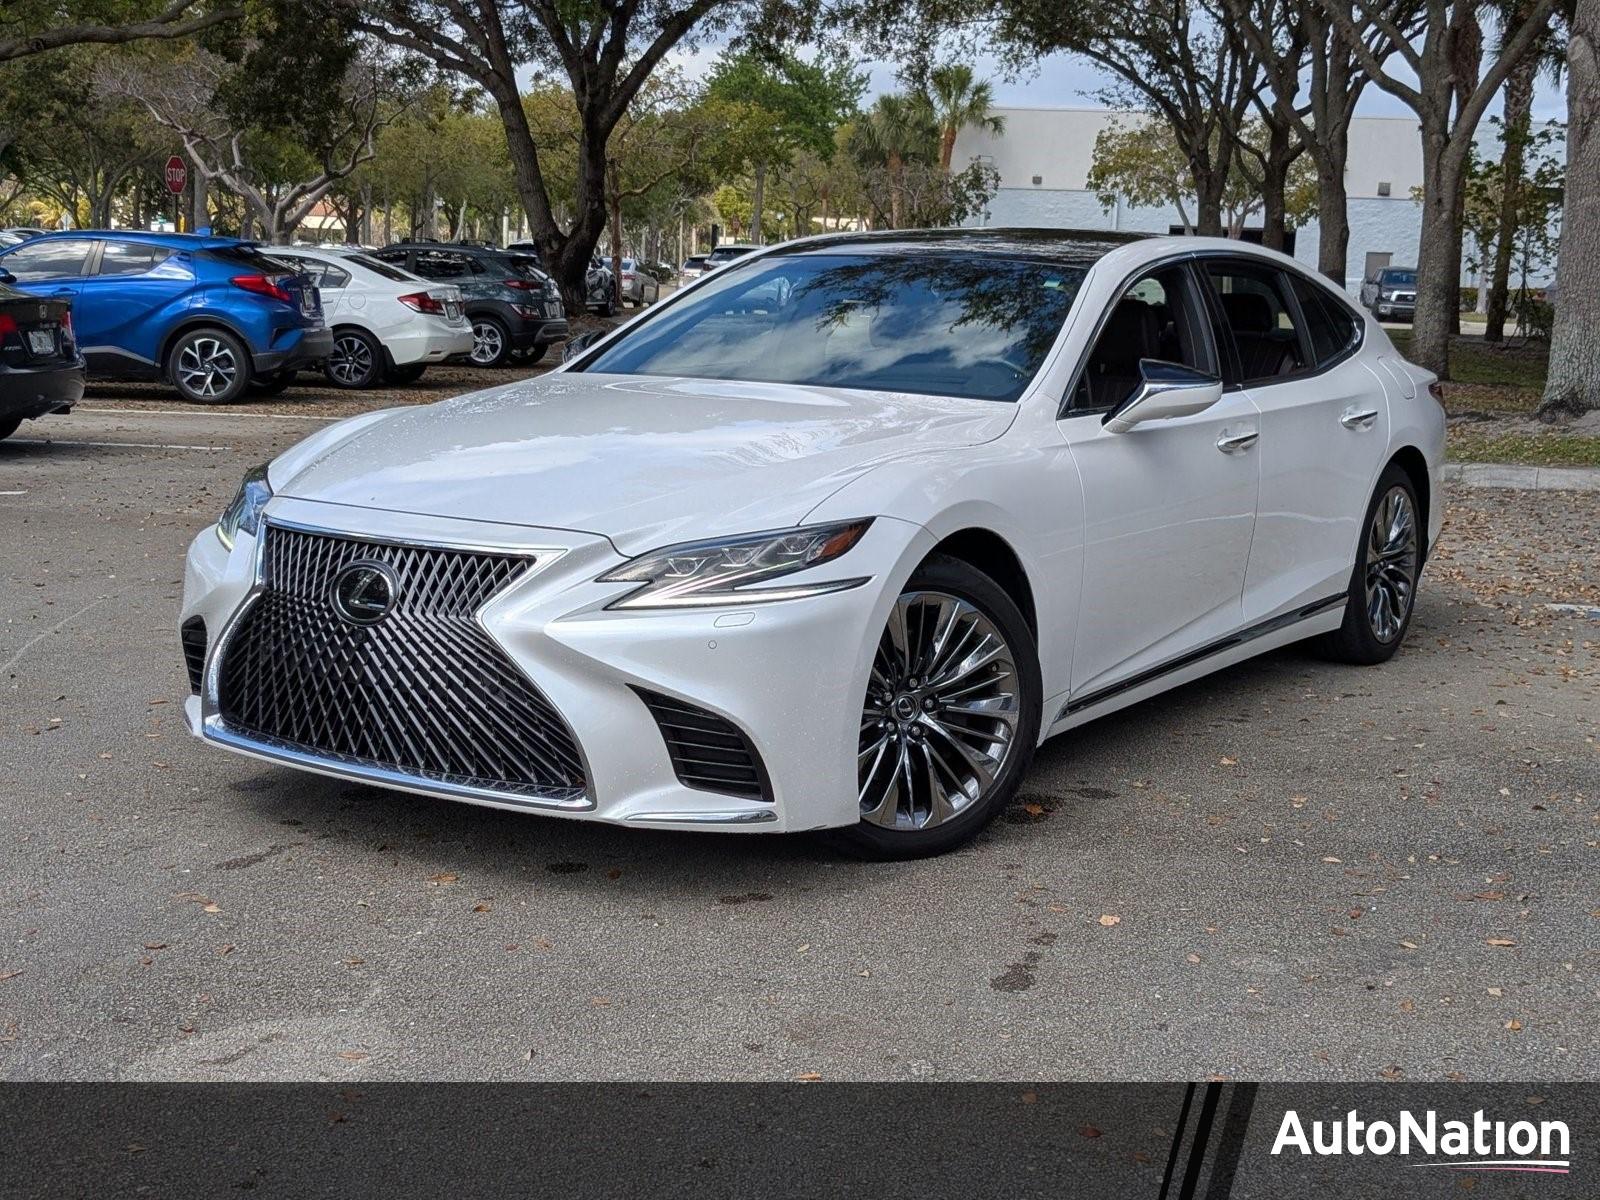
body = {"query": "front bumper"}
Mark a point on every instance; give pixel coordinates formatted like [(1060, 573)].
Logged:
[(790, 676), (1390, 310)]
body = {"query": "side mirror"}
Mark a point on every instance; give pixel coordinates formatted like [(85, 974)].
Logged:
[(1165, 390), (577, 345), (6, 276)]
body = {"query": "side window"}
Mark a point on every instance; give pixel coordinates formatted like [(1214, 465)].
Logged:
[(441, 264), (130, 258), (1157, 317), (1332, 326), (1256, 309), (48, 259), (326, 276), (396, 258)]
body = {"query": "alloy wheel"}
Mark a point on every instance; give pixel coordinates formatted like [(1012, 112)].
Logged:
[(1391, 564), (207, 367), (351, 360), (487, 343), (941, 714)]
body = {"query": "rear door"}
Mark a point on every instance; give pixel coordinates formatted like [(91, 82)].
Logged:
[(118, 315), (1324, 427)]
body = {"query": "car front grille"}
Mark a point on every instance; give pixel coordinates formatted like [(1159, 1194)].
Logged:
[(707, 752), (423, 692)]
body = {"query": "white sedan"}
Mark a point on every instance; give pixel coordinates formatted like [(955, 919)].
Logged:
[(831, 539), (388, 324)]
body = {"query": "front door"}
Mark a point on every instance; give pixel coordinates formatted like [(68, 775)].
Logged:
[(1169, 506)]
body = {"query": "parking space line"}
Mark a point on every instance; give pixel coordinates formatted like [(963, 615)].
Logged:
[(110, 445)]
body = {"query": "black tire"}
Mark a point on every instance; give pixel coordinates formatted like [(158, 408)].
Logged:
[(208, 366), (1373, 630), (950, 578), (409, 373), (7, 428), (491, 343), (357, 360), (272, 385), (530, 356)]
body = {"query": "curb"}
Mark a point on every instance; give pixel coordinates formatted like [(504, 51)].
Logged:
[(1521, 478)]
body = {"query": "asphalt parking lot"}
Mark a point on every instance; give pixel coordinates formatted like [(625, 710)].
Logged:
[(1290, 871)]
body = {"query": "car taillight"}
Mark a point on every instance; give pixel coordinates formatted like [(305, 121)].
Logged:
[(522, 285), (8, 324), (421, 302), (1436, 390), (263, 285)]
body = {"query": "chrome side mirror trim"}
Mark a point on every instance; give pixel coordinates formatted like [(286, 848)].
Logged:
[(1166, 390)]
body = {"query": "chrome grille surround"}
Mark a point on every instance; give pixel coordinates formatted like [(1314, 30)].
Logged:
[(424, 699)]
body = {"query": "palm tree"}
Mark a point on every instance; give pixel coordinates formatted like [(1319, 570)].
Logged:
[(959, 101), (895, 130)]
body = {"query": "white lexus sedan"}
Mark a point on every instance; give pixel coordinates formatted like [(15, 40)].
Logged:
[(831, 539), (388, 325)]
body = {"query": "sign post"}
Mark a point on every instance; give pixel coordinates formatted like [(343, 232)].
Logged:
[(177, 177)]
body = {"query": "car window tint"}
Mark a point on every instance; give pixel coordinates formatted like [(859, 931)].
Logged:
[(1332, 326), (1257, 314), (397, 257), (48, 259), (247, 258), (440, 264), (1156, 318), (325, 275), (935, 324), (130, 258), (383, 269)]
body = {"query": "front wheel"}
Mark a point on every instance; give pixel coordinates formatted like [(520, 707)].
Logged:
[(950, 718), (1383, 586), (273, 385), (209, 366), (409, 373)]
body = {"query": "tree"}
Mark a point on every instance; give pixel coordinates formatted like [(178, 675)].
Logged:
[(1449, 97), (606, 49), (960, 102), (1572, 385), (33, 29), (793, 106), (898, 129)]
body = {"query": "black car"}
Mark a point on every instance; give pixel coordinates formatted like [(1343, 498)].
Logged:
[(514, 307), (41, 369)]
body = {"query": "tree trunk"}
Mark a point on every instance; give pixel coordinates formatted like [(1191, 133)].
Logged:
[(614, 190), (1518, 118), (1439, 254), (947, 147), (757, 199), (201, 201), (897, 168), (1333, 224), (1573, 383), (1208, 202)]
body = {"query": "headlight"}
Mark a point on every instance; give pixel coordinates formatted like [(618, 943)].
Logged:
[(730, 571), (243, 514)]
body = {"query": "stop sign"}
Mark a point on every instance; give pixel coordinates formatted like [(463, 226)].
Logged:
[(176, 174)]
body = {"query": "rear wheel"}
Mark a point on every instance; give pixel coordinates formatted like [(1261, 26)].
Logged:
[(491, 345), (7, 428), (950, 718), (209, 366), (356, 361), (1383, 586), (409, 373)]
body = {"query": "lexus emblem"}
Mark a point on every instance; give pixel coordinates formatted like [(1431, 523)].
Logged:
[(365, 592)]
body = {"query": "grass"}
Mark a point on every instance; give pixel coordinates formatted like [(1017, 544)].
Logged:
[(1502, 365), (1481, 444)]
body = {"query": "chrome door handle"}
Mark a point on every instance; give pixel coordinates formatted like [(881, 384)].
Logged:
[(1359, 418), (1233, 443)]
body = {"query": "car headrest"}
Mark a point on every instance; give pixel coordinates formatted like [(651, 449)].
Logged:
[(1248, 312), (1130, 334)]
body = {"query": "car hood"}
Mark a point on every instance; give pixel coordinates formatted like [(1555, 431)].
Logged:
[(643, 461)]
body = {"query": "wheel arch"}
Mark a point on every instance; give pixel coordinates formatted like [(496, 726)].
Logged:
[(987, 551), (1412, 461), (205, 321)]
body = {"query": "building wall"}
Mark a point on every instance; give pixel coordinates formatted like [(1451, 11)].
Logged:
[(1056, 147)]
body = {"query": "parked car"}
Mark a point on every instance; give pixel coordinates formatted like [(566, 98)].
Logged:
[(388, 324), (41, 370), (212, 316), (726, 253), (17, 234), (1391, 294), (514, 308), (928, 498), (693, 267), (639, 287), (600, 295)]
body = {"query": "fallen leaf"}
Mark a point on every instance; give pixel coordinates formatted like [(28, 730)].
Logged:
[(808, 1077), (1494, 991), (1088, 1131), (443, 878), (1500, 942), (1194, 958), (352, 1055), (1409, 945), (1110, 919), (155, 945), (1513, 1024), (482, 908), (1229, 762)]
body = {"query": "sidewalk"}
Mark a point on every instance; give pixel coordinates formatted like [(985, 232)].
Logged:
[(1534, 479)]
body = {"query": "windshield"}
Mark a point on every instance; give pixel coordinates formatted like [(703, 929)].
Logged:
[(1401, 277), (936, 324)]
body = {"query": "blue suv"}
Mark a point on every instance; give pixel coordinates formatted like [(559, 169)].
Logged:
[(212, 316)]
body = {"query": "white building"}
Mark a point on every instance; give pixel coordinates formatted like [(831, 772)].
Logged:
[(1044, 155)]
